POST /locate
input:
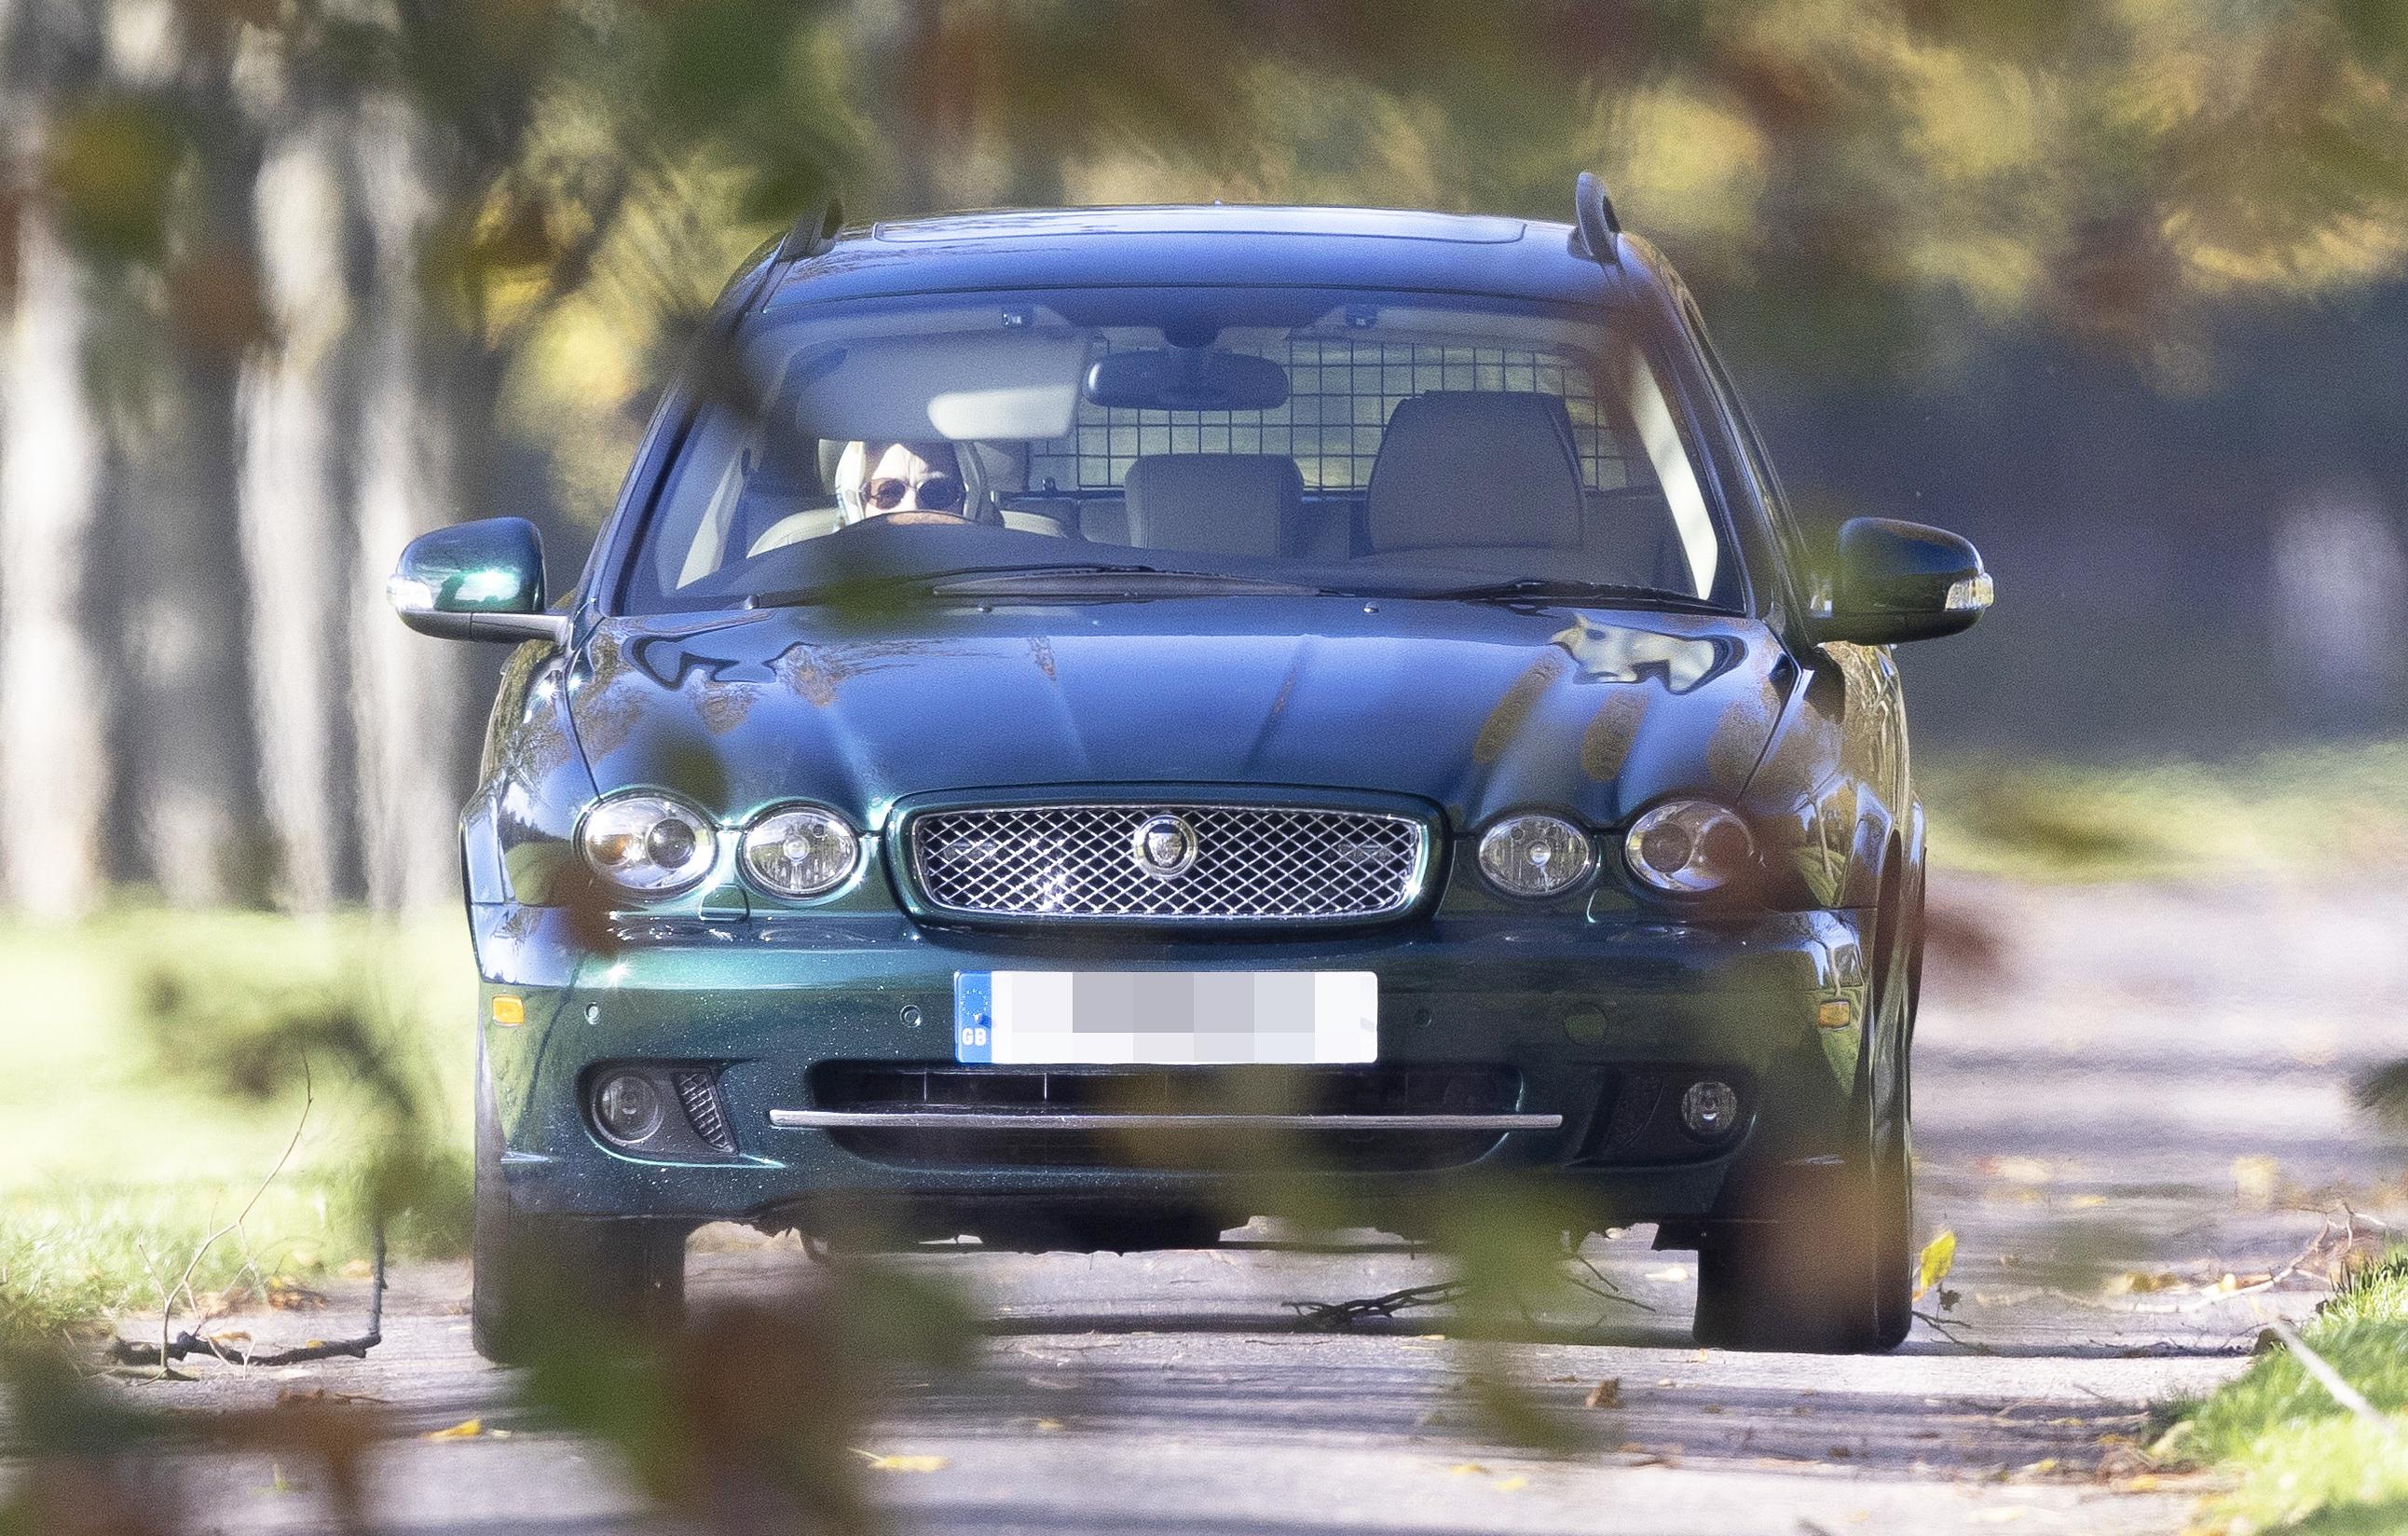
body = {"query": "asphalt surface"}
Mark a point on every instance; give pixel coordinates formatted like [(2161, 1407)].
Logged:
[(2144, 1091)]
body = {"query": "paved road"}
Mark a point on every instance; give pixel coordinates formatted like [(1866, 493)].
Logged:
[(2148, 1083)]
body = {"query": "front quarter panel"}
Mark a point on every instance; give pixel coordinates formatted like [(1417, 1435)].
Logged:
[(517, 833), (1833, 789)]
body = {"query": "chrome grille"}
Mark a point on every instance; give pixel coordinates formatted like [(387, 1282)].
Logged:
[(1250, 863)]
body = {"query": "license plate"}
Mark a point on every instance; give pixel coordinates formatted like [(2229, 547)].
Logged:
[(1099, 1018)]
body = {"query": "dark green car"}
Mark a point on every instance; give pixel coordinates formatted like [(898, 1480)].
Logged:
[(1084, 724)]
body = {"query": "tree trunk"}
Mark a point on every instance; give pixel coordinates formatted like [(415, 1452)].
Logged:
[(292, 517), (406, 700), (53, 767)]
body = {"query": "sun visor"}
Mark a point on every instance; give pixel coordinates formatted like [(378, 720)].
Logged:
[(1001, 385)]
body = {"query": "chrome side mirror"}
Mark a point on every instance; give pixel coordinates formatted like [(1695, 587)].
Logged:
[(476, 581)]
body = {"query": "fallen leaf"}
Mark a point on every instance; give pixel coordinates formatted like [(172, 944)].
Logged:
[(1512, 1484), (2025, 1171), (2255, 1177), (1049, 1424), (2085, 1202), (1938, 1256), (900, 1463), (1605, 1394), (2142, 1283), (467, 1428), (1467, 1469), (2143, 1483), (358, 1269)]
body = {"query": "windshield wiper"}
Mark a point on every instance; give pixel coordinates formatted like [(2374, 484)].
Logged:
[(969, 580), (1559, 589), (1100, 580)]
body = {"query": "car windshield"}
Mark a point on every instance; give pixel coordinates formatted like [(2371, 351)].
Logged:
[(1364, 442)]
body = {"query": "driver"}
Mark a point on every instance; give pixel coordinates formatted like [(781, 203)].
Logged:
[(909, 481)]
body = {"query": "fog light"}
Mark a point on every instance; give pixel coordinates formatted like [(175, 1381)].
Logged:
[(1710, 1108), (627, 1107)]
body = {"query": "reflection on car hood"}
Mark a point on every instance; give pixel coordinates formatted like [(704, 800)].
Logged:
[(1475, 706)]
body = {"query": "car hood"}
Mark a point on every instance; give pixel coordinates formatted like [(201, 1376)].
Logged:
[(1474, 707)]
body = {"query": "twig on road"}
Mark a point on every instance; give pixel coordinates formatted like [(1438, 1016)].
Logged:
[(128, 1352), (183, 1285), (1948, 1328), (1334, 1317)]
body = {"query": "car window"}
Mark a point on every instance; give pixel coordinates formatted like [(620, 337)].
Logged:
[(1367, 440)]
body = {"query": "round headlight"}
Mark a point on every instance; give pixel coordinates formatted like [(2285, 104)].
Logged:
[(648, 843), (1535, 856), (1689, 846), (800, 851)]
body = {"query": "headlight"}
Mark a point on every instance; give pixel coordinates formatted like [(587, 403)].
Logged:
[(1535, 856), (800, 851), (1689, 847), (648, 843)]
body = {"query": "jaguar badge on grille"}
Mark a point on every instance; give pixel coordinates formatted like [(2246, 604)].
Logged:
[(1164, 847)]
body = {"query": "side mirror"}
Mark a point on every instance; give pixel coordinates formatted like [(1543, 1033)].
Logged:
[(476, 581), (1901, 581)]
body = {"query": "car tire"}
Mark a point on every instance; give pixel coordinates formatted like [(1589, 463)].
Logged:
[(537, 1278), (1828, 1269)]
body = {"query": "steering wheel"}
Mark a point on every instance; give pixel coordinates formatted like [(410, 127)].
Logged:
[(912, 517)]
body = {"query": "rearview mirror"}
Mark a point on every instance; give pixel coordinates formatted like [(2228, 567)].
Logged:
[(1897, 581), (476, 581), (1186, 379)]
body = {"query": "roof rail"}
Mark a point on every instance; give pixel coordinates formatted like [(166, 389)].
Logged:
[(1596, 221), (813, 233)]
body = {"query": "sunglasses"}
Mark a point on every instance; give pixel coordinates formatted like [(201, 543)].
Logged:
[(938, 493)]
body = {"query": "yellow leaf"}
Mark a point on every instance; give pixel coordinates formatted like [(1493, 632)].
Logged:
[(1467, 1469), (1049, 1424), (2143, 1483), (1512, 1484), (1932, 1268), (467, 1428), (901, 1463), (2140, 1283), (2254, 1179)]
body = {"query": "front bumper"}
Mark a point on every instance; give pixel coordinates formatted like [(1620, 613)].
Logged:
[(1598, 1023)]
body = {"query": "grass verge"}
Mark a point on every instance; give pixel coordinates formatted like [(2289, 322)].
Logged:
[(2305, 808), (159, 1077), (2295, 1459)]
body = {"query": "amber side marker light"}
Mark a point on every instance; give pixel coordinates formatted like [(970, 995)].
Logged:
[(1836, 1014), (509, 1010)]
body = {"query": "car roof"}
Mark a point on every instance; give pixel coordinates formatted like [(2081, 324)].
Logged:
[(1216, 244)]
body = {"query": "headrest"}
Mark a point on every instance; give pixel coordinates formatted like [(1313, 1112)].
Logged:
[(1460, 467), (1216, 503)]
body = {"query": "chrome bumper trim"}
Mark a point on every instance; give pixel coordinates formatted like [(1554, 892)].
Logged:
[(1060, 1120)]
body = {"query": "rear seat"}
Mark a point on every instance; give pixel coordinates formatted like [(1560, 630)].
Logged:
[(1214, 503)]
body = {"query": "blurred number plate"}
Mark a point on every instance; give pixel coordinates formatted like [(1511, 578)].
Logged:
[(1041, 1018)]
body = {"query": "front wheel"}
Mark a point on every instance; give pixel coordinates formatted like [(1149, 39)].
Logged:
[(541, 1278), (1828, 1271), (1828, 1268)]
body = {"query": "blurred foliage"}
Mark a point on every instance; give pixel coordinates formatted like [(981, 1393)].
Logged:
[(2308, 810), (184, 1035), (1856, 185)]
